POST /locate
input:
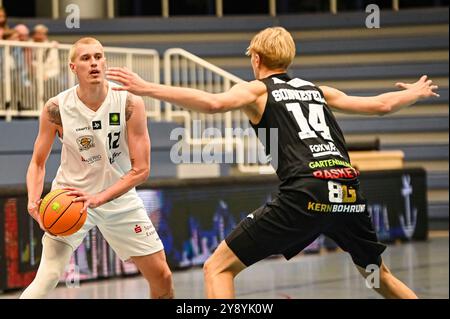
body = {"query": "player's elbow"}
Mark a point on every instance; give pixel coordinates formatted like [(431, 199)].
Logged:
[(384, 108), (215, 106), (218, 103), (37, 163), (145, 174), (142, 174)]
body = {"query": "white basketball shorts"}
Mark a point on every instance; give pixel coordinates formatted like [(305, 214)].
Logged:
[(130, 234)]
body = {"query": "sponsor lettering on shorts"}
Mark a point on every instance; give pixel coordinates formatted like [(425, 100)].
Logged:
[(336, 208)]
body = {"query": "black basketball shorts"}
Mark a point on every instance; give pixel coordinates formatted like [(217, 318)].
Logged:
[(303, 210)]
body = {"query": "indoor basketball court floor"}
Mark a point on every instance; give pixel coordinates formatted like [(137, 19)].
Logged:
[(424, 266)]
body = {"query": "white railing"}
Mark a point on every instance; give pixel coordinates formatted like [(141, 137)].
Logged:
[(184, 69), (31, 73)]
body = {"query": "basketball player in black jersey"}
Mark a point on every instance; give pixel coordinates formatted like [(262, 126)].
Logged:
[(319, 191)]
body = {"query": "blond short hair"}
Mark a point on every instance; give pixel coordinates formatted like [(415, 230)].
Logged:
[(86, 40), (275, 46)]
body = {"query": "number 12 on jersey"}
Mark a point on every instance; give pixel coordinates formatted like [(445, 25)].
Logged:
[(113, 140)]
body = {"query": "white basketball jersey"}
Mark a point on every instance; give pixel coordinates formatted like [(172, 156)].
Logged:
[(95, 151)]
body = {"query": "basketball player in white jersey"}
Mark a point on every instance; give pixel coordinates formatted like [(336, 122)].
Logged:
[(105, 154)]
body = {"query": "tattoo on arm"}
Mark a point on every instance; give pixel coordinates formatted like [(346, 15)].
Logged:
[(129, 107), (53, 112)]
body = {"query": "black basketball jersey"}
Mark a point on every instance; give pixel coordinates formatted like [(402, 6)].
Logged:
[(310, 142)]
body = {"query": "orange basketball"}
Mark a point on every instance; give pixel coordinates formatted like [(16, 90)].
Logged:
[(60, 216)]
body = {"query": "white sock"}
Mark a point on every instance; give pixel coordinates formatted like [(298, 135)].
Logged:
[(55, 256)]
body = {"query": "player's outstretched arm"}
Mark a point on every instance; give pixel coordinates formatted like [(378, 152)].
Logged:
[(49, 121), (240, 95), (139, 150), (383, 103)]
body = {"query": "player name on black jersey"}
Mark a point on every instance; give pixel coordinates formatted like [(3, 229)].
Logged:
[(288, 94)]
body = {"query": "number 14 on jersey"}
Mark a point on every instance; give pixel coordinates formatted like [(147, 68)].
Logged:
[(316, 121)]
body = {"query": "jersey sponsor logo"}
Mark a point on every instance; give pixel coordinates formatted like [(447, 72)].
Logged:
[(85, 142), (335, 173), (91, 160), (96, 125), (298, 95), (339, 193), (86, 128), (114, 118), (319, 150), (336, 208), (149, 230), (137, 229), (113, 157), (329, 163)]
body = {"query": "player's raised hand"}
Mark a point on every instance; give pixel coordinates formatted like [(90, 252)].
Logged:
[(130, 81), (424, 87)]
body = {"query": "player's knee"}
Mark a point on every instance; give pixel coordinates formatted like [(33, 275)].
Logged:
[(208, 268), (162, 288), (166, 276), (162, 278), (212, 268)]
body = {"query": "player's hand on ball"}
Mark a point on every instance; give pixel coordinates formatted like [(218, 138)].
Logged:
[(90, 201), (33, 210), (130, 81)]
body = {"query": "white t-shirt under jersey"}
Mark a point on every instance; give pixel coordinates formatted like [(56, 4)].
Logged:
[(94, 147)]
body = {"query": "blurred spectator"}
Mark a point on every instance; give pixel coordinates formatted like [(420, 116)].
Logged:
[(11, 35), (48, 62), (23, 57), (50, 58), (3, 20), (24, 32), (40, 33)]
